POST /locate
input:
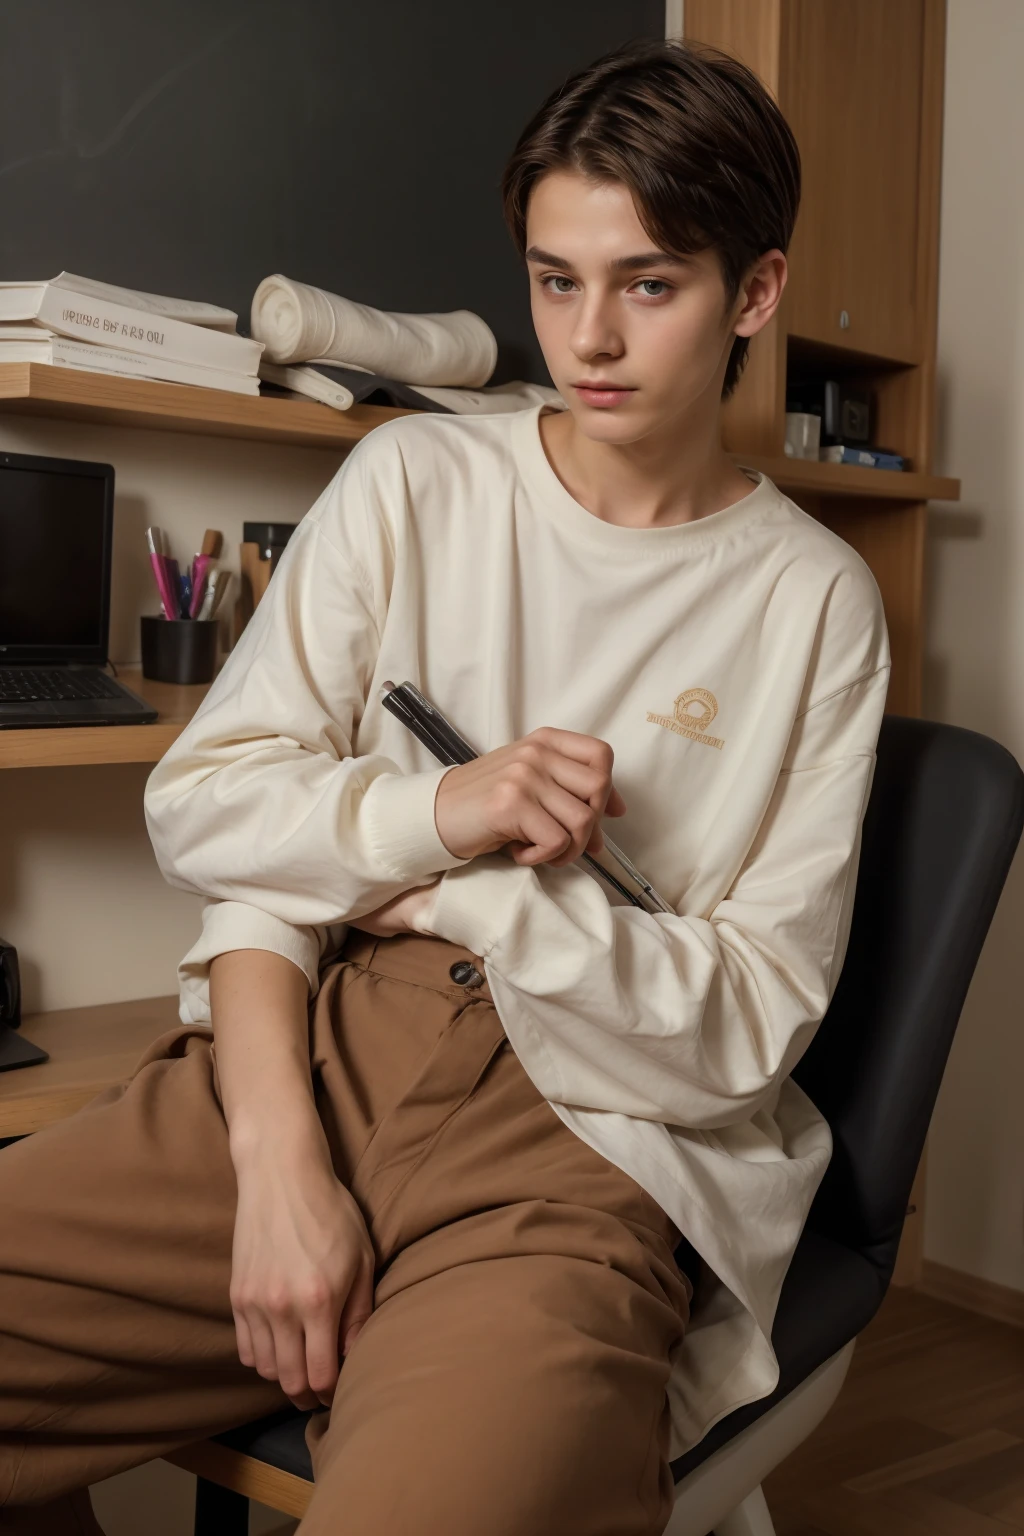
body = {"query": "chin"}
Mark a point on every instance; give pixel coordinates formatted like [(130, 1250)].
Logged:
[(617, 424)]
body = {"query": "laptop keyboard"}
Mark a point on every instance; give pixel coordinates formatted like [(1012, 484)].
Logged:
[(28, 685)]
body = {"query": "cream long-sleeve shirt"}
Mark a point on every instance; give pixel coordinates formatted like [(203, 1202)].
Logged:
[(738, 667)]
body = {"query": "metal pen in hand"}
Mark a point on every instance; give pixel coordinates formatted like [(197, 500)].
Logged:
[(439, 736)]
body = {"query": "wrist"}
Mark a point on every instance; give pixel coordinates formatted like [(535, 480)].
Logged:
[(290, 1136)]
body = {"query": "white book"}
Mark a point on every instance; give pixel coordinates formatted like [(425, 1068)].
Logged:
[(190, 310), (61, 353), (309, 382), (106, 324)]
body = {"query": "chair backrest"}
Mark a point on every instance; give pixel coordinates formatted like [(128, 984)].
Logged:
[(942, 824)]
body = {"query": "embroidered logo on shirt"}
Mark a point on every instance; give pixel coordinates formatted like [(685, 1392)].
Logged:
[(691, 715)]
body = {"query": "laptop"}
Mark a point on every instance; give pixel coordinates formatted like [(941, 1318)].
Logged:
[(56, 538)]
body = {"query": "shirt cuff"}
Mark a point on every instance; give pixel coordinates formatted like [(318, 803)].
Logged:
[(229, 925), (474, 907), (399, 810)]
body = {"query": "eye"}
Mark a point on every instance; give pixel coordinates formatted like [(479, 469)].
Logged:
[(554, 282), (653, 287)]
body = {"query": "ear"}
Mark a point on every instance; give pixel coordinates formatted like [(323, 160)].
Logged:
[(760, 293)]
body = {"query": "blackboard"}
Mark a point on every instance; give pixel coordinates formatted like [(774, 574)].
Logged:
[(191, 147)]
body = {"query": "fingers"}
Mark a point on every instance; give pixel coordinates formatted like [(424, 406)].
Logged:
[(584, 749), (616, 805), (243, 1340), (561, 785), (541, 797), (290, 1355), (291, 1335), (585, 782), (357, 1308), (322, 1361), (553, 823)]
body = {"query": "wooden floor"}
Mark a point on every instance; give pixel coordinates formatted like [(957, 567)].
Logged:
[(927, 1438)]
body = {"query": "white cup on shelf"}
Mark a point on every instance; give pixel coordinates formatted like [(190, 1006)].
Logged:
[(803, 435)]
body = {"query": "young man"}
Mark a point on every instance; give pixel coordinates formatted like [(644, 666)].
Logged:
[(468, 1167)]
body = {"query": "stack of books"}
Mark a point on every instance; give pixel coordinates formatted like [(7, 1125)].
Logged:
[(867, 458), (76, 322)]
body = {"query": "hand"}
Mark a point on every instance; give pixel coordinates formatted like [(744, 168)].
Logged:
[(398, 915), (302, 1270), (544, 796)]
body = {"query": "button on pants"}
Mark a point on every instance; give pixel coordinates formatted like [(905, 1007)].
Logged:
[(511, 1380)]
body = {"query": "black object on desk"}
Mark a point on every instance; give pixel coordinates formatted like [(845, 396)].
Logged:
[(56, 533), (179, 650), (14, 1051)]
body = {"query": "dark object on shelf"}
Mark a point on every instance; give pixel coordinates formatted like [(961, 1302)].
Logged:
[(847, 415), (14, 1051), (370, 389), (179, 650), (270, 538), (261, 549)]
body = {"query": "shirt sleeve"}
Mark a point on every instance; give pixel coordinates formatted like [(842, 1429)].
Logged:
[(229, 925), (689, 1020), (260, 801)]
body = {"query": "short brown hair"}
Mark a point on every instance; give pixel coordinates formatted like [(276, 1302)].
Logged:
[(708, 157)]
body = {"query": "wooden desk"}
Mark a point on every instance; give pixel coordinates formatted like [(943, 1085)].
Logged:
[(90, 1049), (63, 746)]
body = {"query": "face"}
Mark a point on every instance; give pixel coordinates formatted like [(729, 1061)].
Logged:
[(636, 339)]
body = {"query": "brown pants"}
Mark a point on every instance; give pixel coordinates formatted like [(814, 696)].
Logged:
[(512, 1377)]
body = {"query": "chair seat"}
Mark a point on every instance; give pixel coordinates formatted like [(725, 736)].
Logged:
[(830, 1294)]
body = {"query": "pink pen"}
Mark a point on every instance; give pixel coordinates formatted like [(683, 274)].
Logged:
[(154, 538)]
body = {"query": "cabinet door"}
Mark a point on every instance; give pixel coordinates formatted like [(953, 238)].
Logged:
[(851, 86)]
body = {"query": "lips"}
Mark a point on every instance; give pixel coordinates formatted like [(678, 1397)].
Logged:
[(602, 393)]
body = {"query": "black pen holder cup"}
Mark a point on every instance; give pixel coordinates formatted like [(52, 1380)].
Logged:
[(179, 650)]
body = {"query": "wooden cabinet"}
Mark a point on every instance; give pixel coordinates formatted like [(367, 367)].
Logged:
[(860, 82), (850, 83)]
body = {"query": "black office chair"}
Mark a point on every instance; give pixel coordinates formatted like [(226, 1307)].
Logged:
[(944, 820)]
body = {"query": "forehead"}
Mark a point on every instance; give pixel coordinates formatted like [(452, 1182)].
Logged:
[(577, 210), (594, 225)]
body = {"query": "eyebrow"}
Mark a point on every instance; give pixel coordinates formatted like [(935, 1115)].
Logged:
[(621, 263)]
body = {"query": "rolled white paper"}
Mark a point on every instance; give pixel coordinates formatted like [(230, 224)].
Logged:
[(297, 323)]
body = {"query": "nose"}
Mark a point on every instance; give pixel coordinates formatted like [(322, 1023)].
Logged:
[(596, 333)]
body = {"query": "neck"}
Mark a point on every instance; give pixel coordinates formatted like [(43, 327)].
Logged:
[(674, 475)]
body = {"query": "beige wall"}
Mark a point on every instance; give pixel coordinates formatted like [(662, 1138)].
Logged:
[(975, 1202), (80, 894)]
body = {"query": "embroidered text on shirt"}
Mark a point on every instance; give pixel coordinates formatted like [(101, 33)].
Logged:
[(686, 720)]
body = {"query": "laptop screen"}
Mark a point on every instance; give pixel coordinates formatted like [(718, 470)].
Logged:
[(56, 520)]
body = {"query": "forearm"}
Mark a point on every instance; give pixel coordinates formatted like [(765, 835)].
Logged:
[(259, 1004), (302, 1262)]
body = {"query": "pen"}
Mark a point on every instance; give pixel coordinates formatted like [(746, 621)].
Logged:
[(216, 585), (200, 575), (154, 541), (440, 737)]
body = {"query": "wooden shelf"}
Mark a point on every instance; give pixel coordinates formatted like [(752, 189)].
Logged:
[(851, 479), (43, 390), (90, 1049), (64, 746), (40, 389)]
